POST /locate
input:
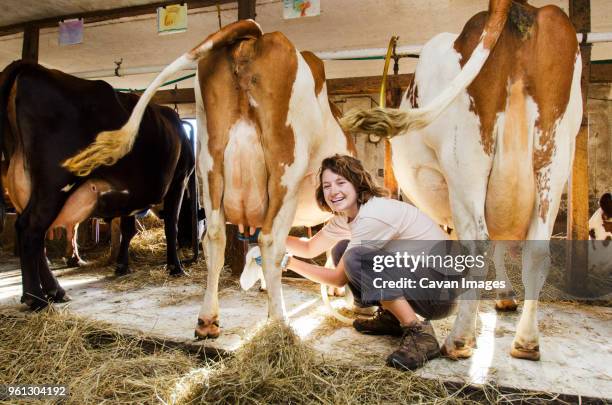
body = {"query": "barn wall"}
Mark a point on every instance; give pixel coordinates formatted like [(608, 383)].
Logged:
[(599, 107), (371, 154)]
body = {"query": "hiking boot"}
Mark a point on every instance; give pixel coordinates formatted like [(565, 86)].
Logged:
[(382, 323), (419, 344)]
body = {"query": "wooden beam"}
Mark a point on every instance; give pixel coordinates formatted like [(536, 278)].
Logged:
[(578, 187), (104, 15), (601, 72), (335, 87), (29, 50), (246, 9), (393, 99), (174, 96), (365, 85)]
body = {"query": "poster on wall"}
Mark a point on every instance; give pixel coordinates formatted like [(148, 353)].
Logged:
[(301, 8), (71, 32), (172, 19)]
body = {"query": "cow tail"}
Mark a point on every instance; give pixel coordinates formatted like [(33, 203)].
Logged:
[(390, 122), (7, 79), (110, 146)]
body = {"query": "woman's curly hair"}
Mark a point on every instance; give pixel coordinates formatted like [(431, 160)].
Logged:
[(353, 171)]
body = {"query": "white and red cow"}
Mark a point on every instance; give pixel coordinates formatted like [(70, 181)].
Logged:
[(264, 126), (489, 126), (600, 246), (600, 224)]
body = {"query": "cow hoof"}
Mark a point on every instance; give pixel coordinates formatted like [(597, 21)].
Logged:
[(458, 349), (506, 305), (34, 303), (525, 352), (74, 262), (122, 270), (176, 271), (207, 329), (59, 297)]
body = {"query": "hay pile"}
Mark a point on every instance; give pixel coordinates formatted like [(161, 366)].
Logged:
[(101, 366), (148, 263), (97, 363), (276, 367)]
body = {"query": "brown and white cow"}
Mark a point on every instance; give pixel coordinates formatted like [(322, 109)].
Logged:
[(600, 245), (600, 224), (264, 126), (489, 128)]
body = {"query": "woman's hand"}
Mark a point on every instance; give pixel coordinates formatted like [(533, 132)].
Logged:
[(284, 261)]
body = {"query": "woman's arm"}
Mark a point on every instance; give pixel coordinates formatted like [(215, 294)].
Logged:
[(309, 248), (334, 277)]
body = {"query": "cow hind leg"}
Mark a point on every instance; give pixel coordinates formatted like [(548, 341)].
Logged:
[(506, 298), (536, 263), (536, 255), (272, 242), (39, 283), (128, 230), (172, 206), (214, 248), (51, 288), (73, 259), (467, 203)]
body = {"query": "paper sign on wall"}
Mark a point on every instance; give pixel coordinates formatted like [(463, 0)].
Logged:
[(301, 8), (71, 32), (172, 19)]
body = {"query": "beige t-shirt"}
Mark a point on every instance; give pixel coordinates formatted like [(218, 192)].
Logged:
[(381, 220)]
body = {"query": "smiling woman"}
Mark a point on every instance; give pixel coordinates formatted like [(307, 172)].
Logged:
[(365, 221)]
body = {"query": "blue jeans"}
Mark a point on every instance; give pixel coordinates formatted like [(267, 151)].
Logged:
[(429, 303)]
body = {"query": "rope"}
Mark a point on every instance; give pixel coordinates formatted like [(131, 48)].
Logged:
[(180, 79)]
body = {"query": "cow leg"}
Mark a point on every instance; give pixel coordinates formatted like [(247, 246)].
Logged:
[(214, 248), (331, 290), (272, 242), (172, 206), (467, 203), (536, 254), (50, 285), (536, 263), (128, 230), (115, 241), (31, 226), (505, 300), (72, 251)]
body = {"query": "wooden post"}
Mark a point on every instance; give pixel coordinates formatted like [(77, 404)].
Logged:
[(246, 9), (393, 100), (29, 50), (578, 187)]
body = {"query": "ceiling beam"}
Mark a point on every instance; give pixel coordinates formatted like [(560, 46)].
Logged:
[(104, 15)]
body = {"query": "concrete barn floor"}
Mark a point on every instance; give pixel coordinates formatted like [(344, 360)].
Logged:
[(576, 340)]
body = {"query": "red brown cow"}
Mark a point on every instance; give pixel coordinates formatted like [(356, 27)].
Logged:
[(265, 125), (488, 135)]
